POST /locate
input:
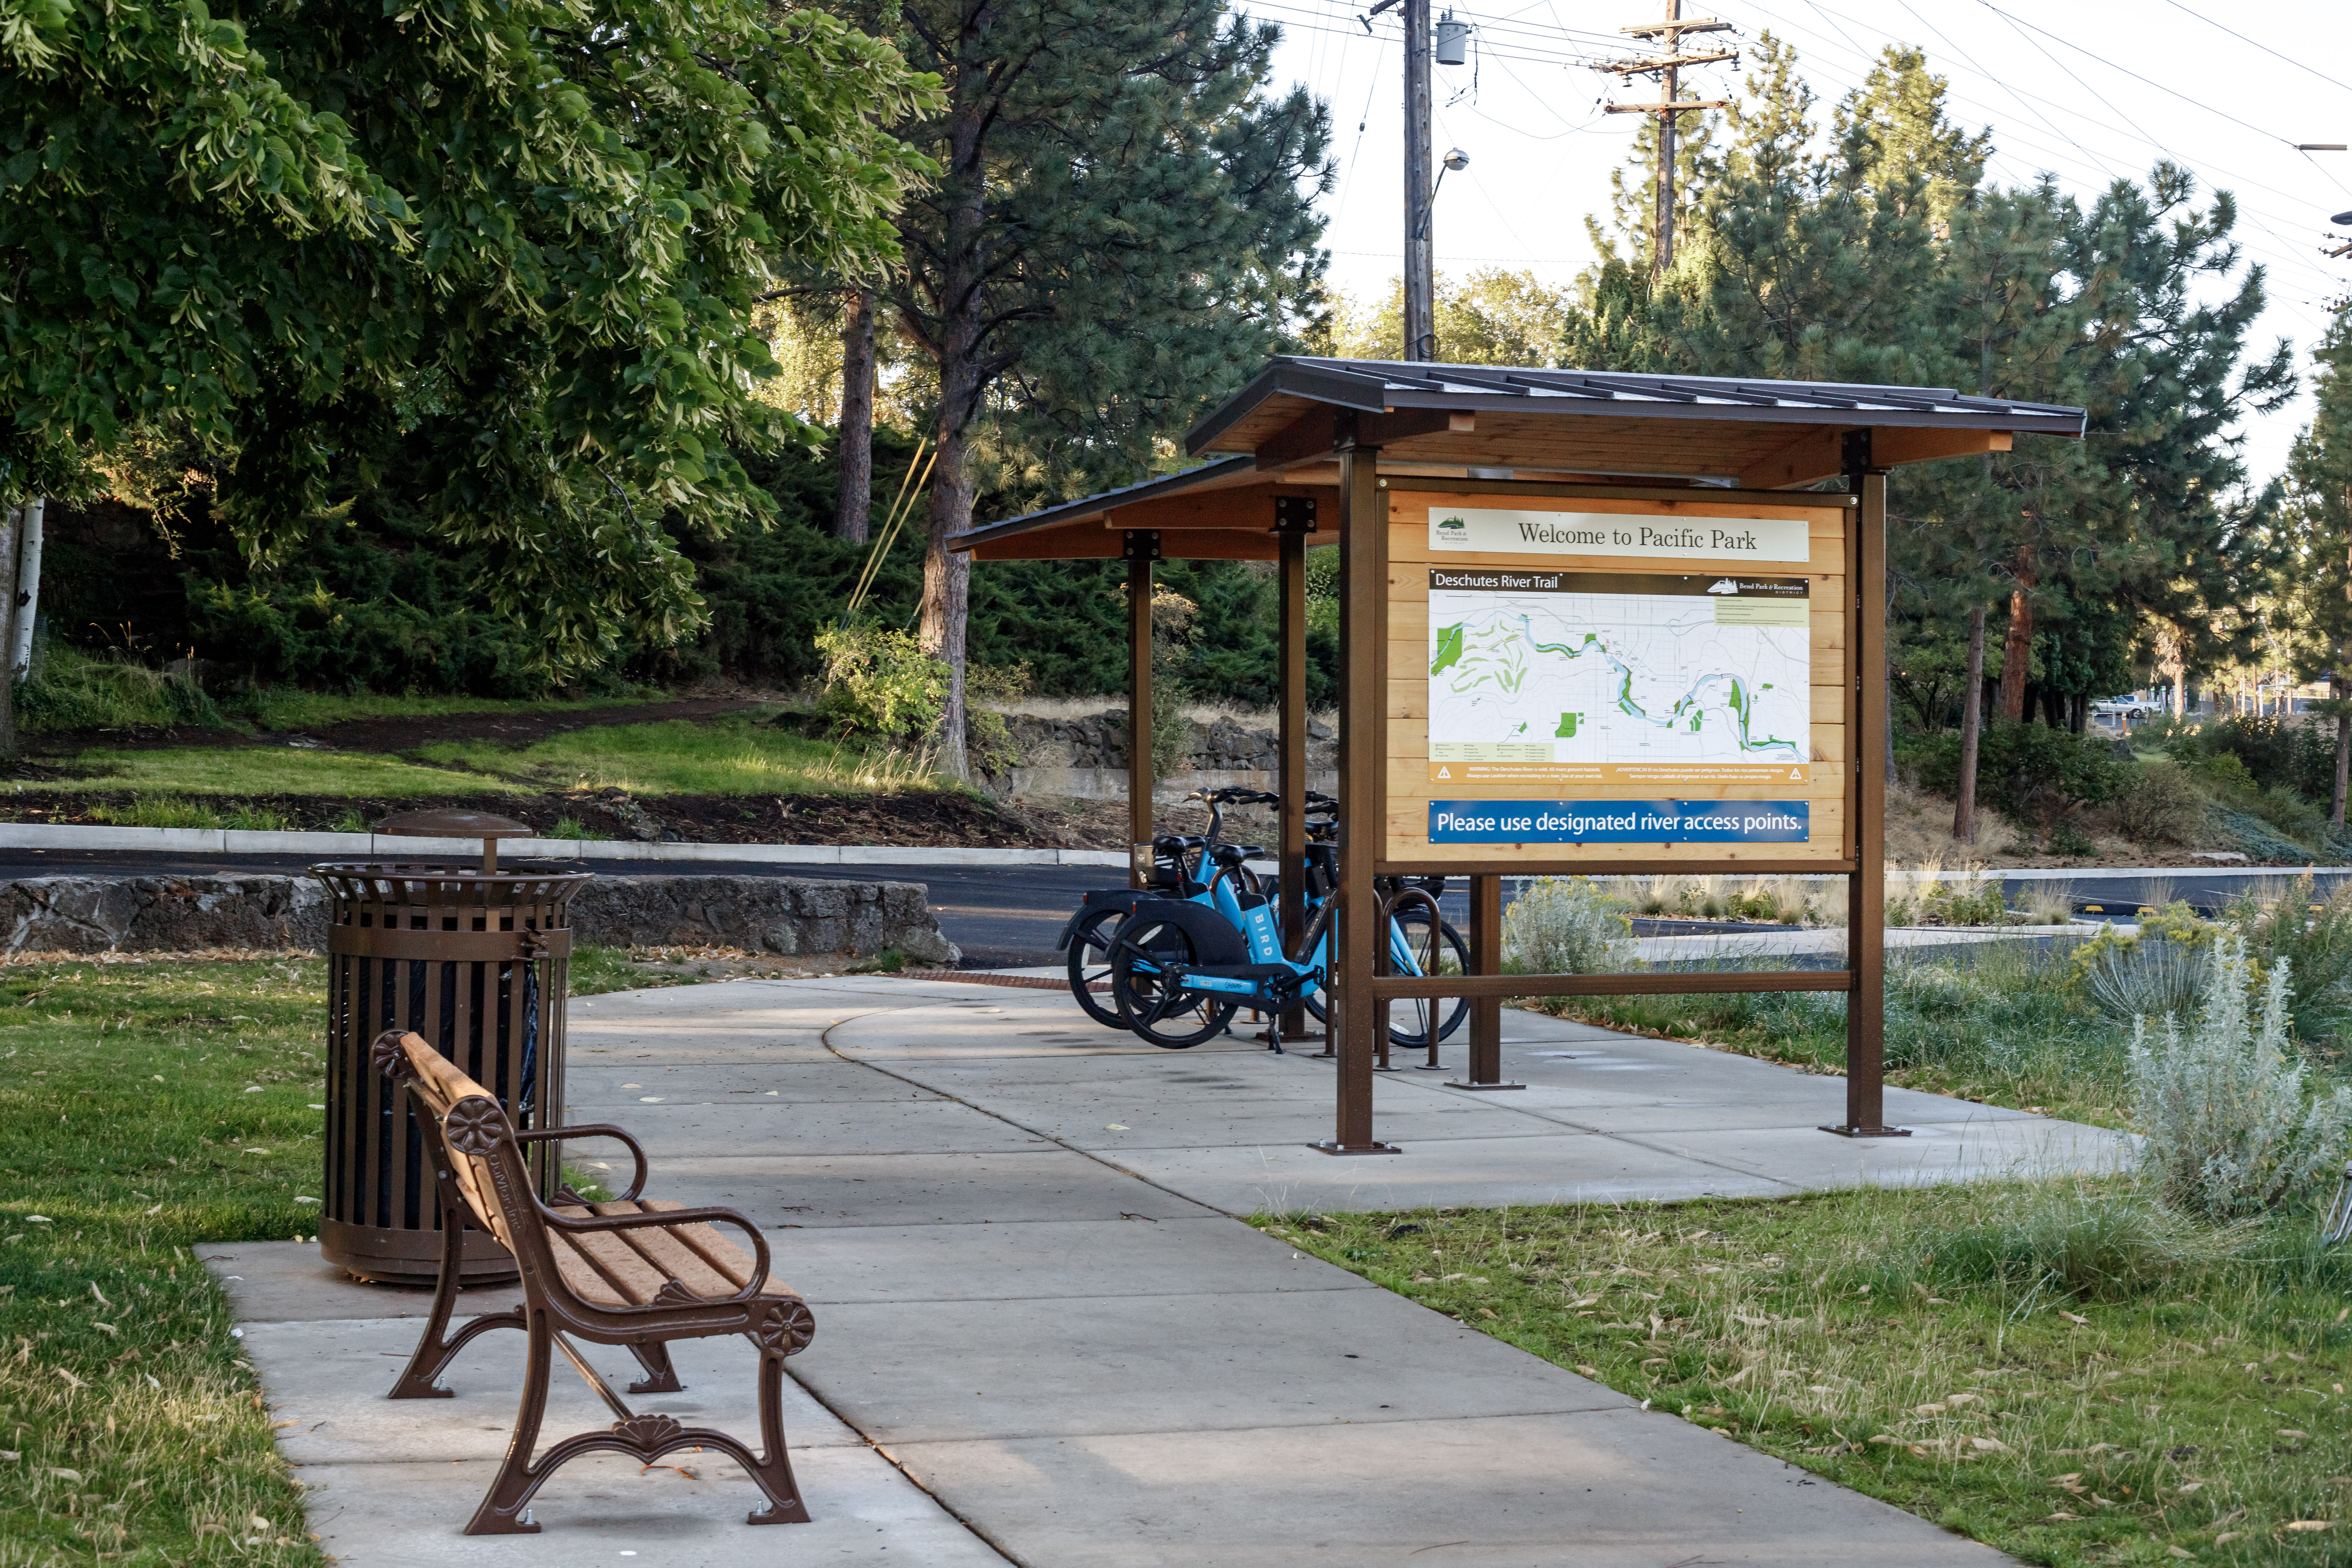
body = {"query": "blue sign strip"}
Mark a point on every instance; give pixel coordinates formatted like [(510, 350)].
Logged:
[(1619, 821)]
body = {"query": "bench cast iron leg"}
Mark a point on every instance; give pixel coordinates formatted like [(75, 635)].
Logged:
[(420, 1379), (660, 1376), (648, 1435)]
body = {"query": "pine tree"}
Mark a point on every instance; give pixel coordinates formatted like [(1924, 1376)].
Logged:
[(2317, 586), (1120, 229)]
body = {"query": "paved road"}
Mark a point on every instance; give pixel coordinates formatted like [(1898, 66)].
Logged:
[(1002, 916), (1008, 916)]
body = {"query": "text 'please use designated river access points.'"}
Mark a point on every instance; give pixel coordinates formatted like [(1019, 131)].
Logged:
[(1619, 822), (1616, 678)]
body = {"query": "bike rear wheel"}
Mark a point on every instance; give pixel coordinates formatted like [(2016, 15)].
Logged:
[(1139, 951), (1090, 966)]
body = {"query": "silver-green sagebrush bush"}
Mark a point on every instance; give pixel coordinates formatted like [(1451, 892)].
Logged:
[(1562, 925), (2220, 1097)]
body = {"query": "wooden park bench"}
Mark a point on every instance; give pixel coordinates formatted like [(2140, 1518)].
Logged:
[(633, 1272)]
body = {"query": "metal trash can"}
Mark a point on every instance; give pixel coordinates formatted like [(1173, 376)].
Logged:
[(476, 962)]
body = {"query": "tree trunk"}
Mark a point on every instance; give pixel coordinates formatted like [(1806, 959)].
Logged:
[(28, 588), (12, 524), (1964, 815), (2017, 652), (2342, 750), (854, 502), (947, 577)]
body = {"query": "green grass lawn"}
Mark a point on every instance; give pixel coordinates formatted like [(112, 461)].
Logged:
[(148, 1108), (2058, 1370), (284, 711), (732, 755)]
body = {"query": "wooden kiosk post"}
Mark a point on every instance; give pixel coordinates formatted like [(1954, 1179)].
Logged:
[(1591, 624), (1141, 548), (1294, 520)]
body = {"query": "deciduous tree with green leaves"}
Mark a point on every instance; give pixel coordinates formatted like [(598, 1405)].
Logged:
[(526, 232)]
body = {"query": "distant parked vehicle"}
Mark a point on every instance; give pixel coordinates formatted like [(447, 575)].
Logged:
[(2126, 708)]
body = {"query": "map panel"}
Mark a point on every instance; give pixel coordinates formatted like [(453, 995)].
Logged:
[(1619, 678)]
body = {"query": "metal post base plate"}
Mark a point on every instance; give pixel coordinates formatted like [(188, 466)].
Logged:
[(1868, 1131), (1452, 1083), (1330, 1147)]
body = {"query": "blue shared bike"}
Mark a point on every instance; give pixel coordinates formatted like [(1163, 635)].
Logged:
[(1183, 865), (1181, 967)]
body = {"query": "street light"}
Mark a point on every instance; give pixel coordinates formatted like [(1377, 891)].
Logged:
[(1455, 158)]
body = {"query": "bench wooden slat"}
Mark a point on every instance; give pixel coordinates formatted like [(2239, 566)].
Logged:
[(667, 1252), (627, 1274), (588, 1277), (709, 1245)]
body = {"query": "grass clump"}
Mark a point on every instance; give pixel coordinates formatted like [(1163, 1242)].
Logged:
[(2064, 1369), (147, 1108), (108, 692)]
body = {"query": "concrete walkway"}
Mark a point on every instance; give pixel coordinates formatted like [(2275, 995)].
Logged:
[(1042, 1338)]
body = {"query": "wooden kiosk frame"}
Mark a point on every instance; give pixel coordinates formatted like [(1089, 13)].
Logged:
[(1348, 451)]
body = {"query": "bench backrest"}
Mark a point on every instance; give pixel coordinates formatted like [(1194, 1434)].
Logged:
[(470, 1124)]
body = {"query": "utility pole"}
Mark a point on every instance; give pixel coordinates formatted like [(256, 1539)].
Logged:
[(1667, 68), (1420, 245)]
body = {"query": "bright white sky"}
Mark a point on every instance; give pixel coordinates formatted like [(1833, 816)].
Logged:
[(2088, 89)]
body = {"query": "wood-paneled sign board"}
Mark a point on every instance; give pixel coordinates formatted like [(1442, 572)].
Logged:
[(1580, 676)]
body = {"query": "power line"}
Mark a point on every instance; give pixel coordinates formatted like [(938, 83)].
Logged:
[(2299, 65), (2113, 169)]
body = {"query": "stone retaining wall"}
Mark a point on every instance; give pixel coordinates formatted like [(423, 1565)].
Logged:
[(1086, 757), (790, 915)]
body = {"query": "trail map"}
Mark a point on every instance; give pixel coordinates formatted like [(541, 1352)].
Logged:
[(1619, 678)]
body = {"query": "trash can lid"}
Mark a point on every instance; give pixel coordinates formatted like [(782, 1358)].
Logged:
[(450, 823)]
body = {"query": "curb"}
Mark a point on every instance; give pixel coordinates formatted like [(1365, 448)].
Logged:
[(238, 841)]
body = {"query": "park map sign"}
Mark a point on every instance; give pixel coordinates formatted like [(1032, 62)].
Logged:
[(1632, 676)]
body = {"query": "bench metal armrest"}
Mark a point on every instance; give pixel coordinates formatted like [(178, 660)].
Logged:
[(596, 1130), (667, 1218)]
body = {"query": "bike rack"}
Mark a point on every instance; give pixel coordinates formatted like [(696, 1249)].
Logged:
[(1403, 897)]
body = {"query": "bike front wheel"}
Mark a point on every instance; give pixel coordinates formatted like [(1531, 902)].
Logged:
[(1140, 951)]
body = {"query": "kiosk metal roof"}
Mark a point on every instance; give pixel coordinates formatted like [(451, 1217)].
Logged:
[(1287, 428)]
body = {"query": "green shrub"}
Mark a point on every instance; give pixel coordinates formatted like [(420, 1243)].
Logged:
[(2164, 806), (880, 683), (2312, 937), (570, 827), (2271, 752), (2031, 773), (257, 819), (1562, 925), (2219, 1099)]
